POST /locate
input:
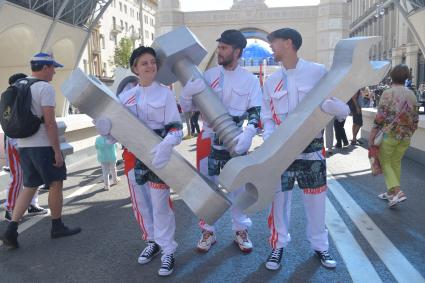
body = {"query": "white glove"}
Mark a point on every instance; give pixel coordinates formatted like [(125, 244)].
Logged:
[(162, 151), (336, 107), (191, 88), (244, 140), (269, 126), (103, 126)]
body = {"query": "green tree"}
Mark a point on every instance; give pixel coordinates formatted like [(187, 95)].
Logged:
[(123, 52)]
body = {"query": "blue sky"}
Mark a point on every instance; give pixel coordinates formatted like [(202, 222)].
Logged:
[(203, 5)]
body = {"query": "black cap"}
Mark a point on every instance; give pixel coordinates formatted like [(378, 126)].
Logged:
[(287, 33), (233, 37), (139, 51)]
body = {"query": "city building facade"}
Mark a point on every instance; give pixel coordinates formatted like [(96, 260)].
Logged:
[(132, 19), (399, 45)]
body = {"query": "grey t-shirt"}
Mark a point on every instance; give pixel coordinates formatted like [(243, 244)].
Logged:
[(43, 94)]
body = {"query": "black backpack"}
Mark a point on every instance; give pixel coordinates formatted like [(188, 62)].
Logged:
[(16, 117)]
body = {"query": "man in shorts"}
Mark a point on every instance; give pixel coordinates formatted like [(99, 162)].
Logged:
[(41, 158)]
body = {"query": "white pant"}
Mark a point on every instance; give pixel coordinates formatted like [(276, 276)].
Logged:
[(154, 212), (108, 168), (240, 221), (278, 220)]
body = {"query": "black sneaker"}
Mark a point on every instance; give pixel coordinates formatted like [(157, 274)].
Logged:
[(8, 216), (274, 259), (149, 252), (167, 265), (326, 259), (64, 232), (36, 210), (10, 238), (43, 188)]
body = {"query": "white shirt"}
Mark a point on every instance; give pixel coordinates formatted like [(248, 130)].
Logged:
[(154, 105), (43, 94), (238, 90), (287, 94)]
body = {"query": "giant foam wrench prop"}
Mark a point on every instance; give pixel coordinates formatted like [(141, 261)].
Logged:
[(94, 99), (260, 171), (179, 52)]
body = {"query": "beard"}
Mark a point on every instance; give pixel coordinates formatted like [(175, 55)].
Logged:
[(223, 61)]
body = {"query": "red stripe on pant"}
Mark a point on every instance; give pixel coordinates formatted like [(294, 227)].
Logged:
[(16, 174), (274, 236), (129, 164)]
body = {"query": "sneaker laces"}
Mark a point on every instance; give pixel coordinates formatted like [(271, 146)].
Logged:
[(325, 255), (167, 261), (206, 235), (276, 255), (149, 250), (243, 234)]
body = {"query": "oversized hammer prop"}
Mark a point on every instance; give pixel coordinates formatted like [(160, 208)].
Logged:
[(179, 52), (260, 170)]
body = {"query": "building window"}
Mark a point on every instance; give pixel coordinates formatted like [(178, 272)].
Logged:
[(151, 20), (126, 26), (114, 22), (104, 70), (122, 24), (125, 9), (85, 65), (152, 36), (102, 41), (120, 7), (146, 34), (137, 15), (146, 19)]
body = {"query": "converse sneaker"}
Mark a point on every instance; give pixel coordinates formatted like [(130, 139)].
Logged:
[(242, 240), (36, 210), (326, 259), (151, 250), (8, 215), (207, 240), (274, 259), (167, 265)]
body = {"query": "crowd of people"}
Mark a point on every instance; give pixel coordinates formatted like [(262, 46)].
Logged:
[(254, 109)]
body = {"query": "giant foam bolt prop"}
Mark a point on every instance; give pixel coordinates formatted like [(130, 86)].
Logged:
[(94, 99), (179, 52), (260, 171)]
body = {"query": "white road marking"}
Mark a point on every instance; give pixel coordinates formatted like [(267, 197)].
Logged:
[(358, 265), (396, 262)]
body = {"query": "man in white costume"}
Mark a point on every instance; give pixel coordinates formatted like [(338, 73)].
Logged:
[(283, 91), (240, 93)]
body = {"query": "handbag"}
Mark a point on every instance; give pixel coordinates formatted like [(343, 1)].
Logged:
[(375, 165), (379, 137)]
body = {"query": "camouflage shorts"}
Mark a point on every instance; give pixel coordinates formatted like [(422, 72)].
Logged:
[(309, 174)]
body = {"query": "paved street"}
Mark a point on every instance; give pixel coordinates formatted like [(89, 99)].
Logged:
[(370, 242)]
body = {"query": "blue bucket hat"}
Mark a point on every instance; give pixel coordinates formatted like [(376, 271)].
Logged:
[(44, 59)]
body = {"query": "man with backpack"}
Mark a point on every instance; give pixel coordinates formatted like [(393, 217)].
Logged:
[(16, 180), (41, 158)]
